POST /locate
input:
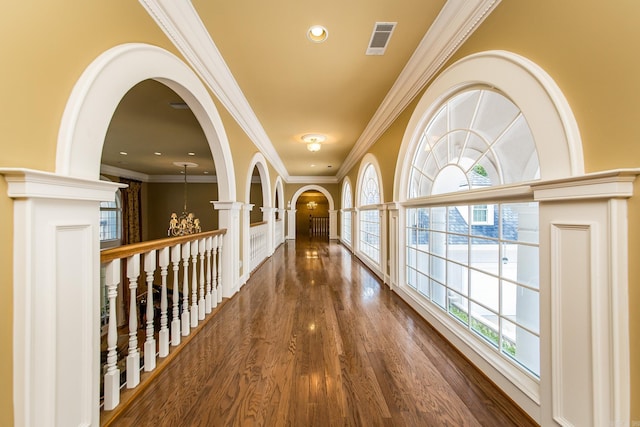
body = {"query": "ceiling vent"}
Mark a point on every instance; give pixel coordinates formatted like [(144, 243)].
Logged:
[(380, 37)]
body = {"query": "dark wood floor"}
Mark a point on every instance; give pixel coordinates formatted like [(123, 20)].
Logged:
[(313, 339)]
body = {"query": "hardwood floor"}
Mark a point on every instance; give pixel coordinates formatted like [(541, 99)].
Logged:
[(313, 339)]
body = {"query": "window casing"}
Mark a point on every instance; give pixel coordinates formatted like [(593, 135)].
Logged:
[(369, 216), (477, 262), (346, 214)]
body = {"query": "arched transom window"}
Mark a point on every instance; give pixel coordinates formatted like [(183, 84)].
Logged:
[(346, 214), (476, 139), (478, 261), (369, 221)]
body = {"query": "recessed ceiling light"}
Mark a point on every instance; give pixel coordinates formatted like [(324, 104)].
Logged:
[(206, 172), (313, 166), (124, 153), (157, 153), (191, 154), (317, 34)]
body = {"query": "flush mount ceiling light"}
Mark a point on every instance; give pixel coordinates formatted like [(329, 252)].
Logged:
[(317, 34), (314, 141)]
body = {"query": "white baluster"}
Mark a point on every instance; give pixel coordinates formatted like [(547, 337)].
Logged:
[(133, 358), (163, 336), (150, 341), (194, 283), (185, 290), (175, 321), (207, 299), (112, 376), (201, 301), (219, 262), (214, 272)]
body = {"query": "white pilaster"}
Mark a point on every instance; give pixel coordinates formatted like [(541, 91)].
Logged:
[(56, 306), (333, 225), (291, 224), (229, 219)]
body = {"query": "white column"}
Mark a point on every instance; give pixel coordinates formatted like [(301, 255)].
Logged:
[(268, 214), (229, 219), (394, 244), (246, 244), (194, 283), (175, 320), (291, 224), (333, 225), (201, 302), (163, 335), (112, 376), (150, 341), (133, 358), (56, 297), (184, 320), (213, 271)]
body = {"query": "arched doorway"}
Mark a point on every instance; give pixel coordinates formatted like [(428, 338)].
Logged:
[(292, 213), (312, 216)]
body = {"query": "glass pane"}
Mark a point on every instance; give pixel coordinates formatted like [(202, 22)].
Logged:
[(520, 222), (412, 277), (423, 285), (438, 269), (458, 278), (422, 262), (462, 108), (411, 257), (438, 294), (495, 113), (521, 306), (438, 244), (484, 221), (458, 220), (485, 323), (520, 263), (522, 346), (458, 307), (485, 255), (517, 145), (438, 219), (458, 249), (485, 289)]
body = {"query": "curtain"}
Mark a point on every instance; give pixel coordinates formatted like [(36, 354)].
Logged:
[(131, 212)]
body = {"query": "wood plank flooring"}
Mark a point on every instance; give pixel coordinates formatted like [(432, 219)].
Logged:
[(313, 339)]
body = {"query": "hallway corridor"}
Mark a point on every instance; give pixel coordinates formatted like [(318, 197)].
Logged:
[(314, 339)]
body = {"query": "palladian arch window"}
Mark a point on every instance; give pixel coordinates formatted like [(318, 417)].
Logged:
[(475, 255), (369, 216), (346, 213)]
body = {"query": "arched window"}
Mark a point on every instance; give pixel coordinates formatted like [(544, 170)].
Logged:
[(347, 204), (478, 262), (369, 217)]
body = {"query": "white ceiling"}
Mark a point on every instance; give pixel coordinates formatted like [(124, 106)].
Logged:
[(279, 85)]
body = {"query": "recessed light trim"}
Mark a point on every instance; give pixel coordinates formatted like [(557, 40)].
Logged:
[(124, 153), (317, 33), (157, 153), (191, 153)]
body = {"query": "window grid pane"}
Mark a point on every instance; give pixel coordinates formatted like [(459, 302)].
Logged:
[(370, 234), (496, 297)]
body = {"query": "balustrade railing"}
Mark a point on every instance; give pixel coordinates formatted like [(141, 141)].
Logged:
[(195, 291), (318, 226), (279, 231), (258, 243)]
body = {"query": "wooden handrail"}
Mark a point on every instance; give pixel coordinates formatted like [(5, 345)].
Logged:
[(137, 248), (255, 224)]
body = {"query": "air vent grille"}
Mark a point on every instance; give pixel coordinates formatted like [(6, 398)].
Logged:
[(380, 37)]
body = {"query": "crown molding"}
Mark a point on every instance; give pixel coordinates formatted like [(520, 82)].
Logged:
[(301, 179), (160, 179), (457, 20), (181, 23)]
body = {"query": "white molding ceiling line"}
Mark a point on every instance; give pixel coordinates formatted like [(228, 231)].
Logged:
[(457, 20), (164, 179), (301, 179), (181, 23)]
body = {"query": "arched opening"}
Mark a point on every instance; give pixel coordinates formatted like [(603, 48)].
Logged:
[(292, 215), (312, 215)]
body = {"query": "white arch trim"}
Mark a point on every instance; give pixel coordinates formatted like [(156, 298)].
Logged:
[(104, 83), (258, 160), (278, 193), (368, 159), (323, 190), (541, 101), (346, 182)]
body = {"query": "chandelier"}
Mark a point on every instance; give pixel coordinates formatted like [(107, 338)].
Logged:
[(313, 141), (186, 223), (311, 205)]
